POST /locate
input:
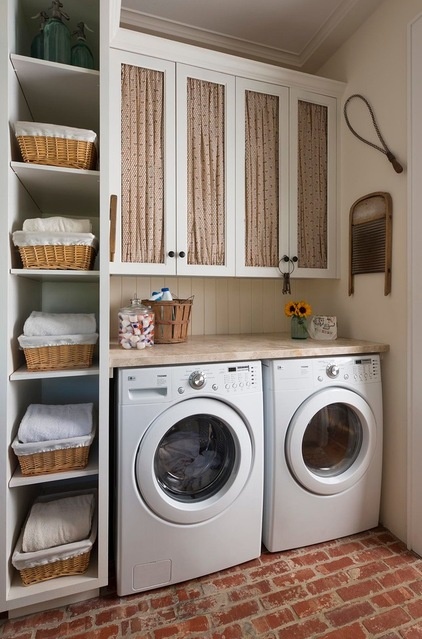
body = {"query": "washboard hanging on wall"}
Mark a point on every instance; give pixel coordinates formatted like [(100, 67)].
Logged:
[(370, 237)]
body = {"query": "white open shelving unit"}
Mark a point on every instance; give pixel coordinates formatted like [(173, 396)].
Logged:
[(42, 91)]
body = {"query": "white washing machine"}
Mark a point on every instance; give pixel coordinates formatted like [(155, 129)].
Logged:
[(189, 480), (323, 428)]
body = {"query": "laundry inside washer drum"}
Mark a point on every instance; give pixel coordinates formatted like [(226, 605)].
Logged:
[(195, 458)]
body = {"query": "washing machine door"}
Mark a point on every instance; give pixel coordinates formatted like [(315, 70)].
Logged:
[(331, 441), (194, 460)]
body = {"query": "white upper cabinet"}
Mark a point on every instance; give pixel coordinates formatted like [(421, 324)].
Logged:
[(222, 167), (173, 176)]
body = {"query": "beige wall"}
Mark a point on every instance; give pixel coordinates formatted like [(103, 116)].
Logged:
[(374, 63)]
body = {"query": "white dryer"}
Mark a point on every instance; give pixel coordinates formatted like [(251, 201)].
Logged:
[(189, 480), (323, 428)]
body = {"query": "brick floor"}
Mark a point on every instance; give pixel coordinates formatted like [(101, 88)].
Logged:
[(359, 587)]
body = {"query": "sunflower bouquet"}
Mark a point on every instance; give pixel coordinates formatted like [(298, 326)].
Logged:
[(297, 309)]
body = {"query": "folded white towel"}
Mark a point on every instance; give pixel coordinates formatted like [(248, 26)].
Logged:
[(57, 223), (39, 323), (43, 422), (56, 340), (41, 238), (57, 522), (41, 129)]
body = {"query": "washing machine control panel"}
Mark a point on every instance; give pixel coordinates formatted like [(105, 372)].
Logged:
[(222, 379)]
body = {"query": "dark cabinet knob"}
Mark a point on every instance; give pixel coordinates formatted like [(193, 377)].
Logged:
[(171, 253), (182, 254)]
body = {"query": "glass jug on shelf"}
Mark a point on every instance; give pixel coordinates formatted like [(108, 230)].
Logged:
[(57, 35), (81, 55)]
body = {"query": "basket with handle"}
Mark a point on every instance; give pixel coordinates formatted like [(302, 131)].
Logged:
[(171, 320)]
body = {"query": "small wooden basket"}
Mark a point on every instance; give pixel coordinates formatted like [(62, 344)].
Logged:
[(58, 256), (61, 357), (61, 568), (171, 320), (69, 153)]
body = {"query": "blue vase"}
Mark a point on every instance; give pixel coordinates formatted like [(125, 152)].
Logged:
[(299, 327), (37, 44)]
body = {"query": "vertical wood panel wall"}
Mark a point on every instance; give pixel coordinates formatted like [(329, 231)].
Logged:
[(221, 305)]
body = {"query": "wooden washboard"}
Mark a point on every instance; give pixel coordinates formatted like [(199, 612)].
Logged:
[(370, 237)]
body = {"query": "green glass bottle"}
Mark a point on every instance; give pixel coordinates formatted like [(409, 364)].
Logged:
[(81, 55), (37, 44), (57, 35)]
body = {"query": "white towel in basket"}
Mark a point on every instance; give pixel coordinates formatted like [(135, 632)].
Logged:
[(39, 323), (57, 223), (43, 422), (41, 238), (57, 522)]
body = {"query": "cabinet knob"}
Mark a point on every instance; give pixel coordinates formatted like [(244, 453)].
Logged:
[(295, 258), (171, 253), (182, 254)]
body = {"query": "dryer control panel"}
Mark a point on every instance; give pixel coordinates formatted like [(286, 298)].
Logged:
[(365, 368)]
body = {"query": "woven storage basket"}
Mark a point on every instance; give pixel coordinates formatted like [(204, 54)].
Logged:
[(59, 561), (54, 461), (61, 568), (64, 356), (74, 154), (60, 257), (171, 320)]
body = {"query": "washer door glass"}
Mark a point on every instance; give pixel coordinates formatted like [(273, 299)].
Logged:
[(331, 441), (194, 460)]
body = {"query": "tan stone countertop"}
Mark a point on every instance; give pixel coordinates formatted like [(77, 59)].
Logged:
[(229, 348)]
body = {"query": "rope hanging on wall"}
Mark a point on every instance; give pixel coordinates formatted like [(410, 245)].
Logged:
[(384, 149)]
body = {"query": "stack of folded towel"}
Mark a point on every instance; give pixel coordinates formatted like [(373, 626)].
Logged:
[(55, 329), (55, 231), (44, 422)]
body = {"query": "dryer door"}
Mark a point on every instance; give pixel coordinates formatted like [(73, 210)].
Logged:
[(194, 460), (331, 441)]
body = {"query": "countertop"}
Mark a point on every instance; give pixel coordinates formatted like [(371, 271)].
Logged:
[(230, 348)]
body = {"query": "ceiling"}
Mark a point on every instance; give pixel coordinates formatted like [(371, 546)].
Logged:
[(299, 34)]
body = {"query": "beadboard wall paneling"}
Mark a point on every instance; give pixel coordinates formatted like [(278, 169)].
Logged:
[(221, 305)]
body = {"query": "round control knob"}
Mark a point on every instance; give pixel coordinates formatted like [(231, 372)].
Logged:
[(333, 371), (197, 379)]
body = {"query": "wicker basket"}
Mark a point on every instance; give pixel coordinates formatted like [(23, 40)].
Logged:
[(171, 320), (74, 154), (58, 561), (60, 257), (54, 461), (63, 356), (61, 568)]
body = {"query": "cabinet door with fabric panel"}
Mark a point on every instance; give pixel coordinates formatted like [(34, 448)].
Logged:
[(313, 184), (173, 131), (262, 177)]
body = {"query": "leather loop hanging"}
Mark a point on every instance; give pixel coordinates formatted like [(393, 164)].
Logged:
[(384, 149)]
